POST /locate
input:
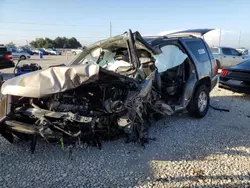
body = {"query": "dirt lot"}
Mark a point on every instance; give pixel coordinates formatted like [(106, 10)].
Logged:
[(210, 152)]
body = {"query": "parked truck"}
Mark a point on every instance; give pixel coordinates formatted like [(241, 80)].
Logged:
[(228, 57)]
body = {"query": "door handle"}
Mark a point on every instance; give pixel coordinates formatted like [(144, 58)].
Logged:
[(225, 56), (234, 57)]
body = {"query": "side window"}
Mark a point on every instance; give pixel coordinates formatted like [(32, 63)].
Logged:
[(199, 50), (226, 51), (234, 52)]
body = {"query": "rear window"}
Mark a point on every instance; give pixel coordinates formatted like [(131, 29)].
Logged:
[(199, 50), (3, 49), (215, 50)]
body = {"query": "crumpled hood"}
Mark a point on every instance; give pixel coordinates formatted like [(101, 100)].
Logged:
[(49, 81)]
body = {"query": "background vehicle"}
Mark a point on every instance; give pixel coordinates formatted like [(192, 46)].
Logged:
[(6, 59), (53, 51), (227, 57), (76, 51), (20, 54), (40, 50), (236, 78), (243, 51), (26, 50)]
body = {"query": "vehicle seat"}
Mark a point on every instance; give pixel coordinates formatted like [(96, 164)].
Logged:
[(172, 80)]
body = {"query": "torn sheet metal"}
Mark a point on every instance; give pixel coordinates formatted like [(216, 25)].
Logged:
[(170, 57), (49, 81)]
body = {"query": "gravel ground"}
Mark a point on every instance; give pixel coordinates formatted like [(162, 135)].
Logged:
[(210, 152)]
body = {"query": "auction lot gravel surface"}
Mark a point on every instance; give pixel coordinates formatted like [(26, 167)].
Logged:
[(209, 152)]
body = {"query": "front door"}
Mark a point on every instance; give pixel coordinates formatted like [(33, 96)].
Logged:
[(227, 58), (237, 57)]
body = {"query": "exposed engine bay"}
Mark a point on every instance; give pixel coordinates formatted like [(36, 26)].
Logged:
[(111, 90)]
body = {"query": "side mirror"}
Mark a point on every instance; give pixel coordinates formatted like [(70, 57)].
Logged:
[(240, 54)]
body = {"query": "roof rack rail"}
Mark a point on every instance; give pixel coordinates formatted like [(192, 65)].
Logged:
[(179, 36)]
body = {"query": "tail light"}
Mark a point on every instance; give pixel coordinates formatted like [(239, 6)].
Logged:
[(224, 72), (9, 57)]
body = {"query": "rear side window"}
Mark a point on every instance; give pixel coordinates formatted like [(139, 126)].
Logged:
[(234, 52), (199, 50), (226, 51), (3, 49)]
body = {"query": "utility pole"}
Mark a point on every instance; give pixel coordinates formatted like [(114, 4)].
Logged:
[(110, 29), (220, 38), (239, 39)]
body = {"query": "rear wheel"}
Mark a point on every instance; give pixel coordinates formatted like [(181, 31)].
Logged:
[(199, 104), (22, 57)]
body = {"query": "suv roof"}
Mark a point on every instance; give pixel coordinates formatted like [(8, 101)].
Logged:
[(155, 40), (191, 32)]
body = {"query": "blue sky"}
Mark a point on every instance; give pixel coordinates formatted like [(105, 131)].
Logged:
[(88, 21)]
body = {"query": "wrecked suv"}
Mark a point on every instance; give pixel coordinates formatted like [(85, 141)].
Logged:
[(115, 86)]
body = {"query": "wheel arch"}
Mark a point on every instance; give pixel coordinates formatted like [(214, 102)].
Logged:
[(204, 81)]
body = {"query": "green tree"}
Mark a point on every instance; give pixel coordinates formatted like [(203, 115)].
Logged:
[(59, 42), (11, 44)]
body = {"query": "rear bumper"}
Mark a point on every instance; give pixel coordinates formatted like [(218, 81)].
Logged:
[(239, 88), (6, 64)]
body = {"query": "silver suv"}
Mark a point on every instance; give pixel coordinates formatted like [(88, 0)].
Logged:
[(114, 84)]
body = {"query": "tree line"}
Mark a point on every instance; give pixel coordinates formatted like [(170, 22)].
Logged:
[(59, 42)]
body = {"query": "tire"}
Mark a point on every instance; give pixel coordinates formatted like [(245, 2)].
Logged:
[(199, 104), (22, 57)]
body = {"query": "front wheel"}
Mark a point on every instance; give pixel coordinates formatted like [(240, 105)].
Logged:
[(199, 104)]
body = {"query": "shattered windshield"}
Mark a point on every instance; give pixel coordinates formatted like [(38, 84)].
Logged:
[(107, 58)]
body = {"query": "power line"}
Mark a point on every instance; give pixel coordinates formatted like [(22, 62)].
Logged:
[(44, 37), (18, 29), (53, 24)]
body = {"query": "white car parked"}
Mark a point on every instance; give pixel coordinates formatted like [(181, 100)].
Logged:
[(19, 54), (76, 51), (53, 51)]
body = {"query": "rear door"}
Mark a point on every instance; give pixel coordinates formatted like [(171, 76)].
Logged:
[(198, 52)]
